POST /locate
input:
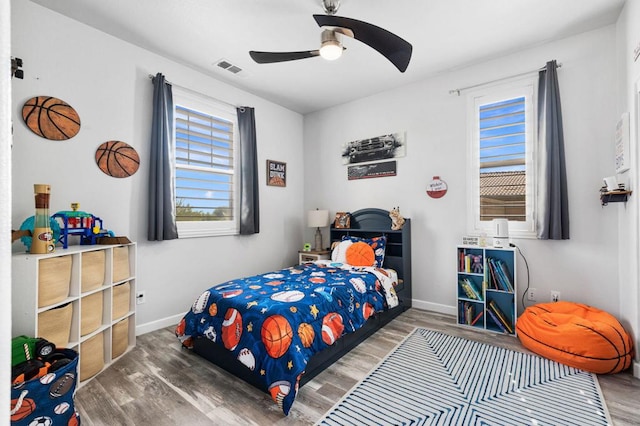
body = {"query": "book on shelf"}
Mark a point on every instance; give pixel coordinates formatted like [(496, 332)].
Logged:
[(470, 289), (504, 271), (491, 276), (467, 313), (496, 321), (501, 317), (477, 317), (467, 265), (500, 275)]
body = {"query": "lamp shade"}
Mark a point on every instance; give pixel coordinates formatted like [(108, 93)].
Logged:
[(317, 218)]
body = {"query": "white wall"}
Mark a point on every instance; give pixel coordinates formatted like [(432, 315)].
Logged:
[(628, 87), (583, 268), (5, 207), (106, 81)]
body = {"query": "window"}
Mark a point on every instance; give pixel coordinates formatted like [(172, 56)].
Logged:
[(205, 166), (502, 158)]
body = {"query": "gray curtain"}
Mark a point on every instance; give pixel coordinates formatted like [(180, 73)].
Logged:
[(553, 203), (162, 211), (249, 201)]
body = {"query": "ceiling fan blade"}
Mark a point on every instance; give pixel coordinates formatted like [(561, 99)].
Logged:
[(270, 57), (394, 48)]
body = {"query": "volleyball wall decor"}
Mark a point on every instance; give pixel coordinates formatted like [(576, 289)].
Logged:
[(51, 118), (117, 159)]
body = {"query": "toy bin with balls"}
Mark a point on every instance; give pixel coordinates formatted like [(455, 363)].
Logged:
[(47, 398)]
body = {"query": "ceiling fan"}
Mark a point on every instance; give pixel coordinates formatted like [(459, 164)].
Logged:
[(392, 47)]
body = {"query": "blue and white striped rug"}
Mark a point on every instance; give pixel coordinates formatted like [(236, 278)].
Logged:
[(432, 378)]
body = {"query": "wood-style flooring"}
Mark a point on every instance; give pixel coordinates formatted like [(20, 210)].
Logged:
[(158, 383)]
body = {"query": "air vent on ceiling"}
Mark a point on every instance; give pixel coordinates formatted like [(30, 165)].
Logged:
[(224, 64)]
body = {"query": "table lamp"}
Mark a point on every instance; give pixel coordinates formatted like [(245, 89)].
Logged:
[(318, 219)]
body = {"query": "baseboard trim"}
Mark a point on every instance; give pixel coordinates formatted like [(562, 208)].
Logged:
[(636, 369), (435, 307), (158, 324)]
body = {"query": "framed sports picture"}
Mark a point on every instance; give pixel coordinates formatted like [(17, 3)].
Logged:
[(343, 220), (276, 173)]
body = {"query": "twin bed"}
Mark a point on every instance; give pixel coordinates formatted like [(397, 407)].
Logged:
[(278, 330)]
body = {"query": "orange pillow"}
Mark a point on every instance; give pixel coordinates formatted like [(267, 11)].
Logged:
[(360, 254)]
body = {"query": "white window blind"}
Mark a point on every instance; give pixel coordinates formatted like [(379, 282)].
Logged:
[(205, 168), (502, 161)]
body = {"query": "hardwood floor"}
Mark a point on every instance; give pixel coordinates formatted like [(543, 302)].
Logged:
[(158, 383)]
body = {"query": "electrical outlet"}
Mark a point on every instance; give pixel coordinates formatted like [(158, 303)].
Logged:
[(140, 297), (531, 294), (555, 295)]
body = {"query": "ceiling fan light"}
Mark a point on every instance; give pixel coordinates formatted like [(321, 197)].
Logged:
[(330, 46), (331, 50)]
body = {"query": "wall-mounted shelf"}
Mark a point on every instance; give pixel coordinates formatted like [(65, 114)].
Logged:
[(607, 197)]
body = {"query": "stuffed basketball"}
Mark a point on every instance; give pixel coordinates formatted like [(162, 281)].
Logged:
[(360, 254), (51, 118), (276, 335), (117, 159)]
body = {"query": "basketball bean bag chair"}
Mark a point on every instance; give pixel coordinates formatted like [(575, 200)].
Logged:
[(577, 335)]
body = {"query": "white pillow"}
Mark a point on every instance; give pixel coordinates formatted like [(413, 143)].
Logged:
[(339, 253)]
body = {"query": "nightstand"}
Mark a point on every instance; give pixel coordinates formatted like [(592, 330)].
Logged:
[(311, 256)]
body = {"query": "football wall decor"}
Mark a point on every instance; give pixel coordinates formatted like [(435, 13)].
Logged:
[(51, 118)]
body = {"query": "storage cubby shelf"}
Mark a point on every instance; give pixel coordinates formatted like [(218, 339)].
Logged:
[(487, 288), (83, 278)]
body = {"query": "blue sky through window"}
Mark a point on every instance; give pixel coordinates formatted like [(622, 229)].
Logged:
[(204, 161), (502, 136)]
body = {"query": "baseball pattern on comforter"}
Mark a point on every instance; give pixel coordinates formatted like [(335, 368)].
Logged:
[(275, 322)]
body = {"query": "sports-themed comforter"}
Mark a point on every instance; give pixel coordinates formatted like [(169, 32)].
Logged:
[(275, 322)]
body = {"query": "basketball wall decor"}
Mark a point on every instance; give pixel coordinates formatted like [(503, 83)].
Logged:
[(117, 159), (51, 118)]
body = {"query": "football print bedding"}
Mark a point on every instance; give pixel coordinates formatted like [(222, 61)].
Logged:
[(273, 323)]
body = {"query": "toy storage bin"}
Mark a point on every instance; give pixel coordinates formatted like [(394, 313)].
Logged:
[(93, 268), (91, 309), (54, 279), (121, 298), (48, 400), (54, 325), (91, 356), (120, 338), (121, 263)]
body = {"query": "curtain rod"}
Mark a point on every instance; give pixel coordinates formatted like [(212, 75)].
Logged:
[(457, 91), (151, 77)]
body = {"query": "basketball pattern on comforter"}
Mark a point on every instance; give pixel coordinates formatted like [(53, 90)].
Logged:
[(275, 322)]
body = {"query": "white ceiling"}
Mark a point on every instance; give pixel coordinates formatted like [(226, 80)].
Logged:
[(445, 34)]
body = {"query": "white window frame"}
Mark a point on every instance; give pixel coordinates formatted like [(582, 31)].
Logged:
[(210, 106), (527, 87)]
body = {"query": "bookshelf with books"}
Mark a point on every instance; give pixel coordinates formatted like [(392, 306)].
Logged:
[(487, 288)]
